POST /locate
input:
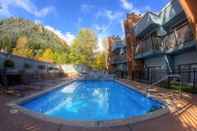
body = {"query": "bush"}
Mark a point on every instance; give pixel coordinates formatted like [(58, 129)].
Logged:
[(184, 87), (8, 64)]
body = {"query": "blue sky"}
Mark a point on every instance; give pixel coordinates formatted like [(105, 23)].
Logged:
[(66, 17)]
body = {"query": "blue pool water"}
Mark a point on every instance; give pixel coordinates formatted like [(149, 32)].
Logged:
[(93, 100)]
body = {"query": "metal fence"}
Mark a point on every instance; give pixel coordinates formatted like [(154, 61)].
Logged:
[(188, 77)]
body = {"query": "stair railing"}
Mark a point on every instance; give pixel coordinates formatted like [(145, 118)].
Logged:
[(163, 79)]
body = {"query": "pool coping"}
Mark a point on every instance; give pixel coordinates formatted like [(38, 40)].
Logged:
[(14, 105)]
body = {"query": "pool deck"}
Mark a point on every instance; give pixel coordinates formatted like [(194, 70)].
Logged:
[(182, 116)]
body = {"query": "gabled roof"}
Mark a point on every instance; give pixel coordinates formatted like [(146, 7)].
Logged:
[(167, 14), (171, 10), (148, 19)]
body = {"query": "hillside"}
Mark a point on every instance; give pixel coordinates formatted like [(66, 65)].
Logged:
[(28, 39)]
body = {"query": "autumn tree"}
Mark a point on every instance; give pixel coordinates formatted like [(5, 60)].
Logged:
[(100, 61), (82, 50)]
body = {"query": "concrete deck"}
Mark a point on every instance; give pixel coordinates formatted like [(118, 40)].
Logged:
[(182, 116)]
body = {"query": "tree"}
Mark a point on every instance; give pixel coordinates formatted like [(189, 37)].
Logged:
[(6, 43), (100, 61), (47, 55), (82, 50)]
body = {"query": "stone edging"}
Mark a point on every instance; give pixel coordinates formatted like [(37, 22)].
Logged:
[(88, 124)]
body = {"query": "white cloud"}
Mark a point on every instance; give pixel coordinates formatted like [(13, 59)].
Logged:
[(56, 31), (86, 8), (37, 21), (126, 4), (103, 30), (113, 15), (68, 37), (27, 5), (122, 27), (4, 12), (112, 18), (109, 14)]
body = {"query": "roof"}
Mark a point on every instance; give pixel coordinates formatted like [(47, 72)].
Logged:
[(172, 9), (150, 19)]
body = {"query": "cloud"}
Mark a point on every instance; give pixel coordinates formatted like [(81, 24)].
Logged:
[(86, 8), (122, 28), (68, 37), (101, 28), (4, 12), (27, 5), (112, 18), (56, 31), (126, 4), (109, 14), (37, 21)]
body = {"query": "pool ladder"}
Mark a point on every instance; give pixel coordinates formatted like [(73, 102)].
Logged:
[(163, 79)]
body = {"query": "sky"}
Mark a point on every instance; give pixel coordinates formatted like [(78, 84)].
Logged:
[(67, 17)]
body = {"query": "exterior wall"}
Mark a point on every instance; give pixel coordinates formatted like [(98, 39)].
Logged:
[(110, 55), (190, 9), (117, 58), (186, 58), (155, 62), (20, 61), (129, 24)]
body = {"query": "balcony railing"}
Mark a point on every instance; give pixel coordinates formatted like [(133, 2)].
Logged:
[(148, 46), (178, 38), (116, 59)]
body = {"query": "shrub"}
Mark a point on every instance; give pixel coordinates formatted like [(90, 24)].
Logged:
[(8, 64)]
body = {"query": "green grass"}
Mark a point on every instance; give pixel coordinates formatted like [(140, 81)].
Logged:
[(185, 88)]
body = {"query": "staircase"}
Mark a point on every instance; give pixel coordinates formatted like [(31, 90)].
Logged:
[(164, 79)]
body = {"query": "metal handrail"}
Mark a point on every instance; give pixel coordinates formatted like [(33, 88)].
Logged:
[(163, 79)]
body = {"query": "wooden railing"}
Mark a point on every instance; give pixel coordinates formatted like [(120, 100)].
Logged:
[(176, 39), (150, 44), (118, 58)]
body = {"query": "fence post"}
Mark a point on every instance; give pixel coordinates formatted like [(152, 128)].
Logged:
[(194, 79)]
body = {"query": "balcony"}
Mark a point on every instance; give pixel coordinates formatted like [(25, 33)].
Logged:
[(179, 40), (149, 22), (148, 47), (172, 13), (119, 59), (120, 68)]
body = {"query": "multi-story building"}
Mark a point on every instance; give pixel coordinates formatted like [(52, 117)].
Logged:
[(189, 6), (117, 60), (163, 43)]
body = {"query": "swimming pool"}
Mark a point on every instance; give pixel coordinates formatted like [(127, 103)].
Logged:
[(92, 100)]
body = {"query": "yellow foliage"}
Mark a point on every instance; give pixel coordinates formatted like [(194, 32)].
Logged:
[(21, 42), (25, 52), (47, 55)]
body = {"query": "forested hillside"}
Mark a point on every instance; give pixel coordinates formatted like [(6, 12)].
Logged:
[(28, 39)]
